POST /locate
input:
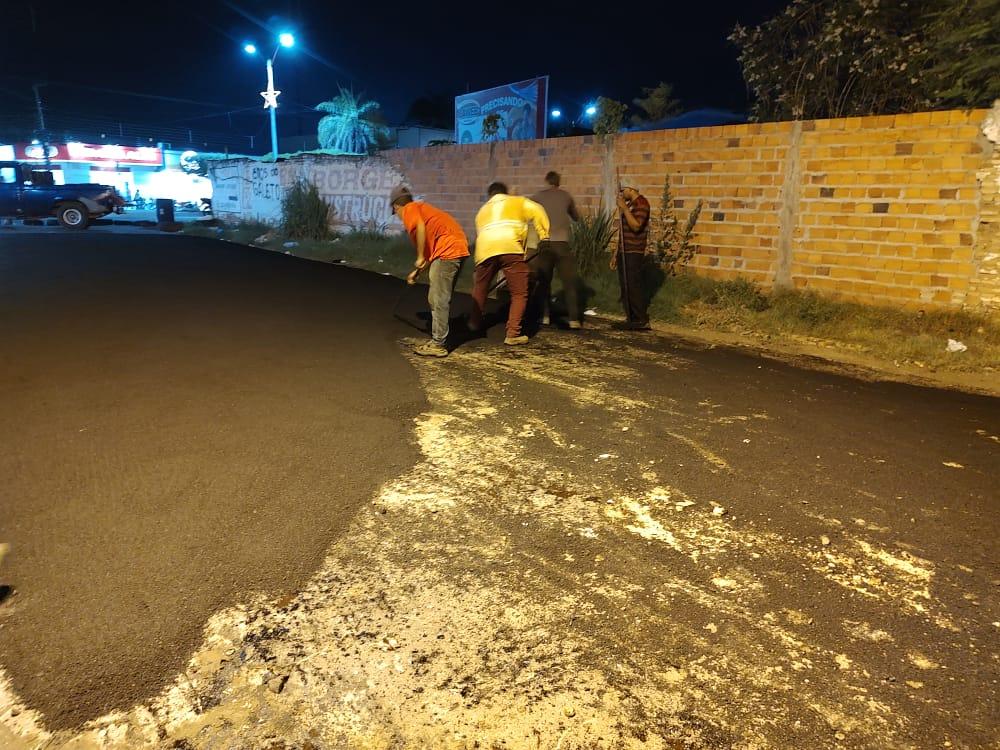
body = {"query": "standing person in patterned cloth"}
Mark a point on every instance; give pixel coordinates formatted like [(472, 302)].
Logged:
[(441, 247), (634, 214)]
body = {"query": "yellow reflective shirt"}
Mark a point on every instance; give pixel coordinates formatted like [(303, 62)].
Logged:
[(502, 225)]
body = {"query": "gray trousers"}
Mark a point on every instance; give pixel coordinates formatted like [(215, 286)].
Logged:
[(443, 274)]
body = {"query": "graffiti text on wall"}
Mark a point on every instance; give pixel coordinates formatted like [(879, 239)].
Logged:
[(265, 183), (350, 180), (360, 209)]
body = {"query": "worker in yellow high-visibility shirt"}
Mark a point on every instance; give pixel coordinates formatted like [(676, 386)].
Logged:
[(501, 231)]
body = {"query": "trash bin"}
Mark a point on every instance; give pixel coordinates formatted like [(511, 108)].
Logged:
[(164, 211)]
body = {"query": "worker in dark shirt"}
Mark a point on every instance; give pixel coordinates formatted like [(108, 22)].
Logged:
[(555, 253)]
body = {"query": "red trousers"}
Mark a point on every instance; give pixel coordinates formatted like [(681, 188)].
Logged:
[(517, 273)]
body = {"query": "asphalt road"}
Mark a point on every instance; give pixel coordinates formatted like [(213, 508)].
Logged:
[(192, 422), (185, 422)]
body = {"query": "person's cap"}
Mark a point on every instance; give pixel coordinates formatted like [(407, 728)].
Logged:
[(398, 192)]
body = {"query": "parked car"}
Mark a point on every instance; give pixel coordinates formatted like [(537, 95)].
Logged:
[(28, 192)]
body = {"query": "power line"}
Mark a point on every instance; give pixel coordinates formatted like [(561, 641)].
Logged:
[(214, 114), (122, 92), (172, 99)]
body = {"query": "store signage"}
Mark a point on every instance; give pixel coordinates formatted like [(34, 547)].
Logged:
[(104, 153)]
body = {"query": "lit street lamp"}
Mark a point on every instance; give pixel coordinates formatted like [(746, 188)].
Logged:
[(271, 94)]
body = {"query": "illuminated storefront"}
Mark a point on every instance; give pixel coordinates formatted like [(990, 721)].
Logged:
[(146, 172)]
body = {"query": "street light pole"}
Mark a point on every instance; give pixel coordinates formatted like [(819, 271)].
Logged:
[(271, 102), (270, 95)]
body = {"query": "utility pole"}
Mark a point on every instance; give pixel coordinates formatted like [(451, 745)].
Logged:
[(43, 134), (38, 106), (271, 103)]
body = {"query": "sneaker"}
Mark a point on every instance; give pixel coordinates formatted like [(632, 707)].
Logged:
[(546, 320), (430, 349), (516, 340), (575, 325)]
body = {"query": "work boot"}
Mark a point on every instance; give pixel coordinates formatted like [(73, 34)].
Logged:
[(516, 340), (575, 325), (431, 349)]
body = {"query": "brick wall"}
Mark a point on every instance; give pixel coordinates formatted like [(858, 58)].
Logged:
[(897, 209), (894, 209), (455, 177), (737, 170), (890, 206)]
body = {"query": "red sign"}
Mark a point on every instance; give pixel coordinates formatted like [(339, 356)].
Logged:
[(105, 153)]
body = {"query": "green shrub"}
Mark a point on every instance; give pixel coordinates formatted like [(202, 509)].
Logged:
[(304, 213), (590, 238), (673, 243)]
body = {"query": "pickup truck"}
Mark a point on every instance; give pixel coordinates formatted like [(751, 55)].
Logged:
[(27, 191)]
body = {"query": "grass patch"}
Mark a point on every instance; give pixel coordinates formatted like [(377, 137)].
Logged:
[(890, 334), (670, 295), (738, 294), (393, 254)]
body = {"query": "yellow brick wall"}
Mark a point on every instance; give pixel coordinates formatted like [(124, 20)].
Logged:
[(736, 170), (886, 210), (889, 207)]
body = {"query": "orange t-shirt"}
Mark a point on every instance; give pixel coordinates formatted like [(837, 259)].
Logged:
[(445, 238)]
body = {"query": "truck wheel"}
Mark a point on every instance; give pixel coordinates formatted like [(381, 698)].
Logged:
[(73, 215)]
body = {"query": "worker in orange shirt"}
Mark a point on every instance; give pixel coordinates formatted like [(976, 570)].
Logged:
[(441, 247)]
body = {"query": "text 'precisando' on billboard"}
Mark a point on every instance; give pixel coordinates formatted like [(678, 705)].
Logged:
[(521, 108)]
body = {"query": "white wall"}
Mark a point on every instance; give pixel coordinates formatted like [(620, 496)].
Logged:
[(357, 187)]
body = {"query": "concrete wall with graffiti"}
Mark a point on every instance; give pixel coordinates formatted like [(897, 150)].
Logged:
[(356, 187)]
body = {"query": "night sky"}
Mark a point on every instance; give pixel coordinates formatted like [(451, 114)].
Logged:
[(393, 52)]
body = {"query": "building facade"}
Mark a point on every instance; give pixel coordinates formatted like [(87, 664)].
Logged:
[(138, 172)]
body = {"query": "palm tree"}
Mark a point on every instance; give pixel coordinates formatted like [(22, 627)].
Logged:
[(348, 125)]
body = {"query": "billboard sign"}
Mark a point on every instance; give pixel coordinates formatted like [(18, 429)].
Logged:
[(522, 108)]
